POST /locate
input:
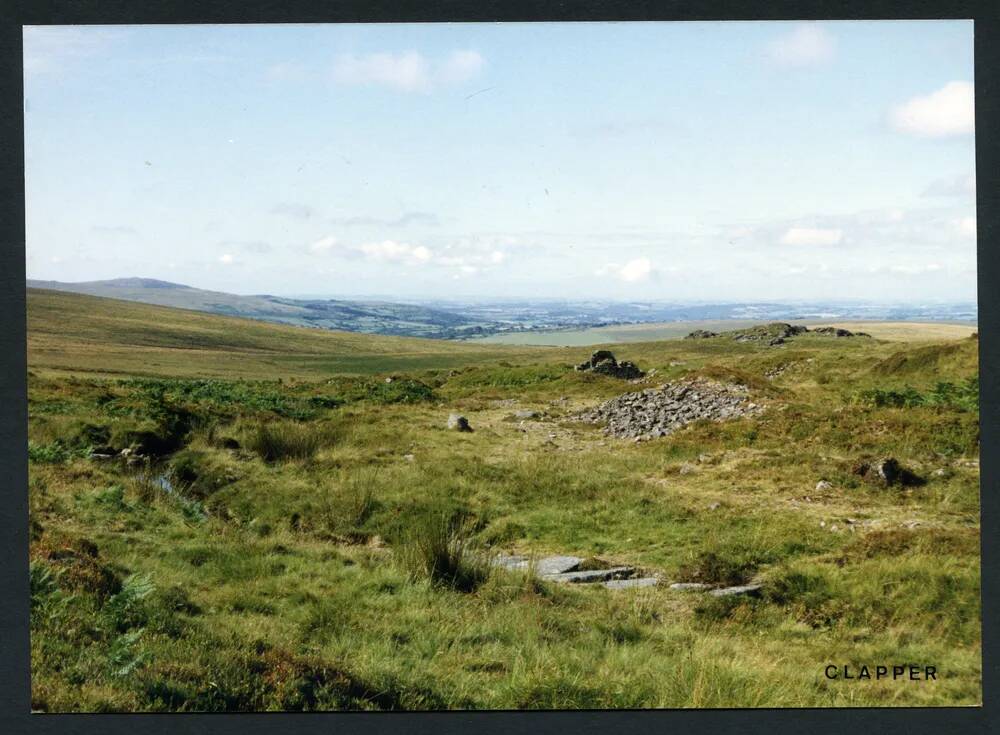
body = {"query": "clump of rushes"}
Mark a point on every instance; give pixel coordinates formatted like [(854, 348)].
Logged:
[(275, 442), (437, 546)]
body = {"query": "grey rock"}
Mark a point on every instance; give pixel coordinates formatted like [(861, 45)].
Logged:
[(458, 423), (511, 561), (620, 584), (604, 362), (837, 332), (886, 472), (824, 485), (689, 586), (595, 575), (744, 589), (557, 564), (526, 414), (701, 334), (659, 412)]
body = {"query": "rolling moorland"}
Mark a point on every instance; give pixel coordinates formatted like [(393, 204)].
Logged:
[(552, 322), (230, 515)]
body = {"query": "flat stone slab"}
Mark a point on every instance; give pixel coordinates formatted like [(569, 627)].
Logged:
[(745, 589), (556, 565), (620, 584), (689, 586), (512, 561), (595, 575)]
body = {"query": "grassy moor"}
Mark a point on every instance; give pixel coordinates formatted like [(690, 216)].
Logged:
[(231, 515)]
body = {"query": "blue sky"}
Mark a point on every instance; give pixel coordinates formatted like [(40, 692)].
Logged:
[(669, 161)]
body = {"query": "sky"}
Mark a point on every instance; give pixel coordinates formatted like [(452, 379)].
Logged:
[(759, 161)]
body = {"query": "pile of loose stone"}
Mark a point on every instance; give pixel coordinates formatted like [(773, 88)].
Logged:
[(567, 569), (660, 411)]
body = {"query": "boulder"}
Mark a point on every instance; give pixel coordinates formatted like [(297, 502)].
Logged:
[(458, 423), (885, 472), (824, 485), (701, 334)]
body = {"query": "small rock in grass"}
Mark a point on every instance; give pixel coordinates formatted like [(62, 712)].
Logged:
[(409, 457), (620, 584), (744, 589), (714, 506), (823, 485), (458, 423)]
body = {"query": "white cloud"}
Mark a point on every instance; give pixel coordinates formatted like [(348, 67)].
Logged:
[(461, 66), (946, 112), (409, 71), (227, 259), (49, 49), (390, 250), (805, 45), (958, 186), (323, 245), (634, 271), (811, 236), (464, 259), (966, 226), (908, 269)]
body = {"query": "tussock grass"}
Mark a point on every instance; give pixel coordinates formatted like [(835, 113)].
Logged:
[(436, 546), (275, 442)]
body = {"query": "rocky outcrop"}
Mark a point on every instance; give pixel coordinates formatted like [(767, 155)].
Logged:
[(604, 362), (838, 332), (775, 333), (658, 412)]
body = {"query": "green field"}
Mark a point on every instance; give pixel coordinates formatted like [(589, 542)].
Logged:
[(304, 533)]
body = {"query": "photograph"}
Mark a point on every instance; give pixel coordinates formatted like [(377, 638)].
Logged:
[(502, 366)]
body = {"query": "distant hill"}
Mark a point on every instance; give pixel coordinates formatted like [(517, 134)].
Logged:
[(79, 333), (474, 318), (372, 317)]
